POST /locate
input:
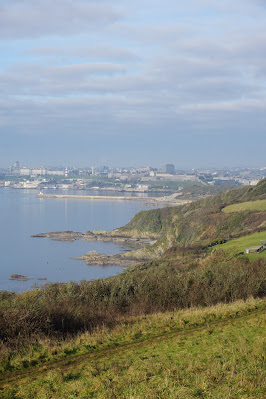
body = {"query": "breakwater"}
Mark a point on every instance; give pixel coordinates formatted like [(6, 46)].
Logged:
[(97, 197), (169, 200)]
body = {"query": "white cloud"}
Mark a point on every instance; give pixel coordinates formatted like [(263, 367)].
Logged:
[(48, 17), (239, 105), (85, 53)]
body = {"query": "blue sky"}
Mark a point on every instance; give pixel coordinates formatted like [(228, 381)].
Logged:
[(120, 83)]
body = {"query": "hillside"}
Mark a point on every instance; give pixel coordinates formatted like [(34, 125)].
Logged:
[(201, 222)]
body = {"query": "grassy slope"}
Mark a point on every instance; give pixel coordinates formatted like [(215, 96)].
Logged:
[(259, 205), (240, 244), (197, 192), (215, 352)]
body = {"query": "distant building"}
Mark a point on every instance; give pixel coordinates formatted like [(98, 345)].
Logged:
[(142, 187), (25, 171), (38, 171), (171, 177), (168, 168), (15, 170), (258, 248), (55, 172)]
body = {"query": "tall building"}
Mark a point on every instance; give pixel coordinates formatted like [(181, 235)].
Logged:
[(15, 170), (168, 168)]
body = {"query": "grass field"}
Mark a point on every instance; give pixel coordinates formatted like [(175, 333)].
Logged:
[(259, 205), (215, 352), (240, 244)]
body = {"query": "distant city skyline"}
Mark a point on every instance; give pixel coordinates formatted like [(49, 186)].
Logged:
[(115, 83), (124, 179), (97, 166), (41, 169)]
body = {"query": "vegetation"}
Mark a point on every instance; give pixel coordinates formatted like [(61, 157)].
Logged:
[(239, 245), (214, 351), (160, 285), (259, 205), (201, 191), (201, 222)]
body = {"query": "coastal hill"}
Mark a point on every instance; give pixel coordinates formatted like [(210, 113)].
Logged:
[(201, 222)]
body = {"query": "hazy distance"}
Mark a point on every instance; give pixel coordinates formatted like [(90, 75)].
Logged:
[(112, 83)]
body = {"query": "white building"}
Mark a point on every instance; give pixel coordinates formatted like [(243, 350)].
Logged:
[(55, 172), (38, 172), (25, 171)]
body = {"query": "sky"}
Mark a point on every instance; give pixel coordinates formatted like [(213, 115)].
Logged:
[(143, 83)]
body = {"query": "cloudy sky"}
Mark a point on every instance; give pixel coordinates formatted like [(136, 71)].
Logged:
[(112, 82)]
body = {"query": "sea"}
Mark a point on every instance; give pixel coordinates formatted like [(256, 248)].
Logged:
[(42, 260)]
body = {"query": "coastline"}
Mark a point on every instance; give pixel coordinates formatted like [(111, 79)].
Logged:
[(135, 255)]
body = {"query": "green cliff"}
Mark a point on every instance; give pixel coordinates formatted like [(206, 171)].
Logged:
[(200, 222)]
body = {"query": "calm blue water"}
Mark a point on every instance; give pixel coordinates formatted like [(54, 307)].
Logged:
[(22, 215)]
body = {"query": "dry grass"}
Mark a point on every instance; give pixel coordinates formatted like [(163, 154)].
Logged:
[(221, 362), (127, 330)]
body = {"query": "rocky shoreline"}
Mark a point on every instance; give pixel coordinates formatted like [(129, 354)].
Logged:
[(131, 239), (98, 236), (95, 258), (130, 258)]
